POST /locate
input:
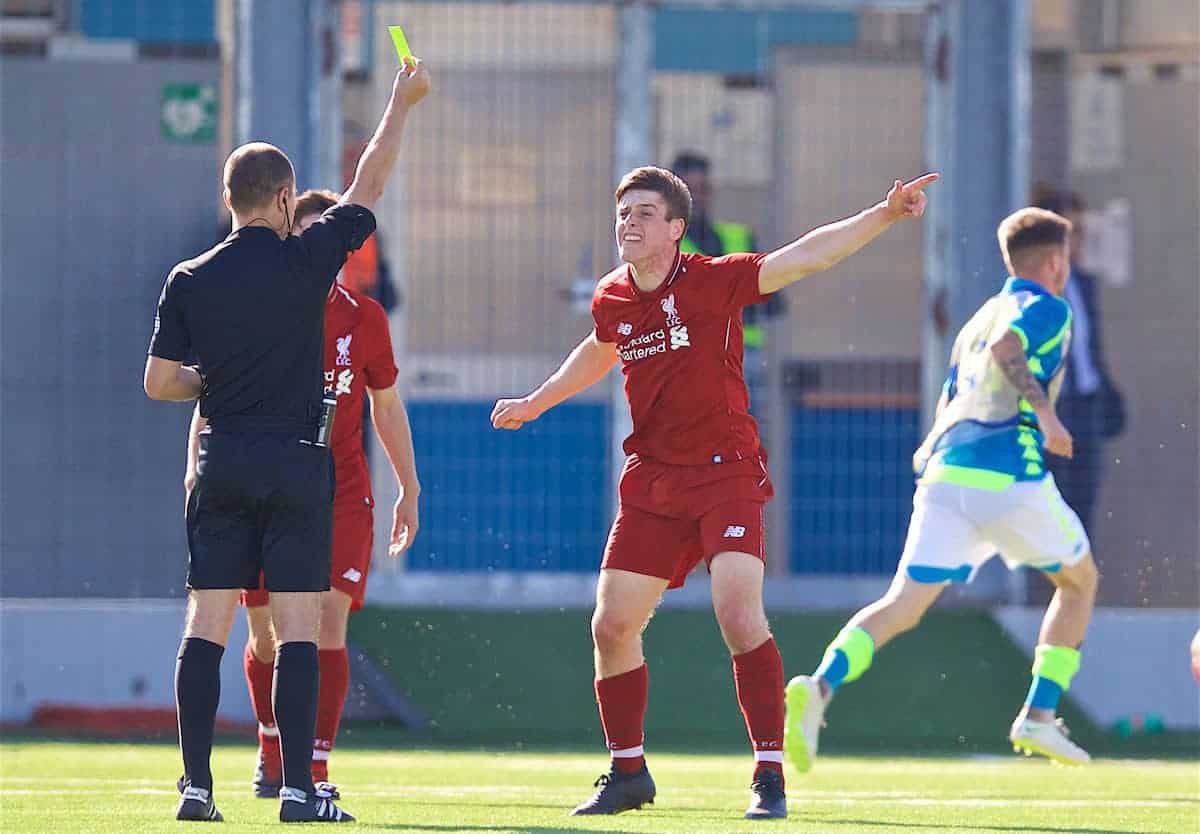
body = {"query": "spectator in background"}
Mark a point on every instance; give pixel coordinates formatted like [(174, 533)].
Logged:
[(1091, 407), (714, 238)]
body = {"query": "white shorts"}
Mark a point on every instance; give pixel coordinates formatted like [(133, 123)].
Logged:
[(955, 529)]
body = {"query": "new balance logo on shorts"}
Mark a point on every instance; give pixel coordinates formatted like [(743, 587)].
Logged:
[(352, 575), (735, 531)]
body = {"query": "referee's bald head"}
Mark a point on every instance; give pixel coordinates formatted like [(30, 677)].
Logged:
[(254, 174)]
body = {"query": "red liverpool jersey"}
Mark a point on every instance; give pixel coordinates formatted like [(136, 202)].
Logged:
[(681, 353), (358, 356)]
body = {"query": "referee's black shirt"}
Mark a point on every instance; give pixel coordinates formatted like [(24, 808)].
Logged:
[(251, 310)]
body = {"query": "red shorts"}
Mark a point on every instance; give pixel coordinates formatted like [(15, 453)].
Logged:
[(671, 517), (353, 536)]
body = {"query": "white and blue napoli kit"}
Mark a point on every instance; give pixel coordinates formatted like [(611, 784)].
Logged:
[(982, 483)]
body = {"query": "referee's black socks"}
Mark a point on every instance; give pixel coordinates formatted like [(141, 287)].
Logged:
[(295, 700), (197, 690)]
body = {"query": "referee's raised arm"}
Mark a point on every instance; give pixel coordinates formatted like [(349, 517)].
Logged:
[(346, 226), (375, 166)]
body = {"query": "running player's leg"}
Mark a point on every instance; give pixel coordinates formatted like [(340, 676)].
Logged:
[(1062, 632), (258, 664), (942, 546), (1196, 656), (1042, 531), (335, 678)]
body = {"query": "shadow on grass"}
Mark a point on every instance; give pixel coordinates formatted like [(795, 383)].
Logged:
[(975, 826), (497, 829), (392, 738)]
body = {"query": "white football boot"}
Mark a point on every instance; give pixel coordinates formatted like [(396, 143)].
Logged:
[(1046, 738), (805, 718)]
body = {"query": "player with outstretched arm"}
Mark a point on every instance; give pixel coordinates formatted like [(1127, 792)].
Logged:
[(695, 481), (983, 487)]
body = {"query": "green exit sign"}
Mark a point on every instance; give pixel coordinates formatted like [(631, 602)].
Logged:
[(189, 112)]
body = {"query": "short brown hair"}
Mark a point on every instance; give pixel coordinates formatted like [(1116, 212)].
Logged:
[(254, 173), (315, 201), (669, 186), (1029, 229)]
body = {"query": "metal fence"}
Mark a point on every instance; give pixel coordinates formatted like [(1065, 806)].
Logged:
[(499, 221)]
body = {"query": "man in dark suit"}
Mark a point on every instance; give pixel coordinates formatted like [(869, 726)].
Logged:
[(1090, 405)]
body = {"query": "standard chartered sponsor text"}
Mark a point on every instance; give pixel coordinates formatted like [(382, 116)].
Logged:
[(644, 345)]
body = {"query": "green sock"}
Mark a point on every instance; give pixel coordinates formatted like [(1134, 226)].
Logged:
[(848, 656), (1053, 668)]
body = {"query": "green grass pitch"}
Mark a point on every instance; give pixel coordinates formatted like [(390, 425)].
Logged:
[(67, 787)]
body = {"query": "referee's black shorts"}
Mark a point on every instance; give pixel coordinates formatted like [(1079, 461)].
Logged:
[(263, 502)]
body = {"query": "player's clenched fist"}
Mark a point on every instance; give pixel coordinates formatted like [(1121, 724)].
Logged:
[(411, 83), (512, 414)]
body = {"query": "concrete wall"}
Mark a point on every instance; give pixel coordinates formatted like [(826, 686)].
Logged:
[(95, 208), (128, 659)]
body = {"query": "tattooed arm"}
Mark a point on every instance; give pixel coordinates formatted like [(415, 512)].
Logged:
[(1010, 356)]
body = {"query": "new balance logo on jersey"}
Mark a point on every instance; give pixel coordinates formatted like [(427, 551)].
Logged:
[(735, 531), (679, 337), (343, 349), (624, 328), (344, 381), (352, 575)]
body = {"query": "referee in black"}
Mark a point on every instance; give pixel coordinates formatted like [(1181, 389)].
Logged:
[(251, 311)]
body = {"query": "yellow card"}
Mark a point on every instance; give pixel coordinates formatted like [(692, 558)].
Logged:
[(400, 42)]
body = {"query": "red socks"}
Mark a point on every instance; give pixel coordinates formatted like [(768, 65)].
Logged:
[(622, 701), (335, 683), (758, 679), (259, 678)]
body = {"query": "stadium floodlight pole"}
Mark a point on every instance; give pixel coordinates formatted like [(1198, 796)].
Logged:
[(1020, 104), (288, 87), (632, 147), (324, 88), (939, 155)]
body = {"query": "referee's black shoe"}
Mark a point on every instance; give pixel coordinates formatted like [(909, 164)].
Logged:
[(619, 792), (298, 806), (196, 805), (767, 800)]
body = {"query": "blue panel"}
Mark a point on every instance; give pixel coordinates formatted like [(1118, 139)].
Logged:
[(149, 21), (931, 575), (852, 487), (736, 41), (535, 499)]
